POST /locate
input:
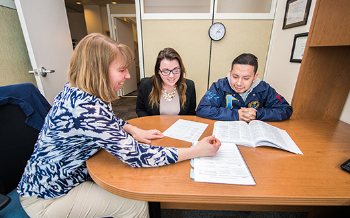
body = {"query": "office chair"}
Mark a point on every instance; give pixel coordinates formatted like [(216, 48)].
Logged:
[(18, 114)]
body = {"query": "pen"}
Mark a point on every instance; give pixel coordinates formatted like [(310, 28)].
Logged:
[(214, 141)]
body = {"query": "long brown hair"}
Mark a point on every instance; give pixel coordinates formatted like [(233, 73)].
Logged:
[(169, 54), (88, 68)]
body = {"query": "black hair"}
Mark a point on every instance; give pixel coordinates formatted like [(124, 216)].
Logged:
[(247, 59)]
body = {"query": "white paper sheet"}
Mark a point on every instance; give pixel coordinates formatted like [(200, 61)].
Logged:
[(185, 130), (227, 166)]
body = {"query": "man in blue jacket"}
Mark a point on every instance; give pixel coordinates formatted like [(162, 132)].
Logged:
[(243, 96)]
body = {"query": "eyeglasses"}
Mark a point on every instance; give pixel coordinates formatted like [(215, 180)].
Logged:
[(167, 72)]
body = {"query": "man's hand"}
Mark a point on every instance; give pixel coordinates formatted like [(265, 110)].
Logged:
[(247, 114)]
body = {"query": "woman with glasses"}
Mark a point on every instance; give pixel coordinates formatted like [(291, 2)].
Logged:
[(167, 92)]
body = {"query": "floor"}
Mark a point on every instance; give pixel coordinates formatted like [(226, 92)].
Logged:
[(124, 108), (228, 214)]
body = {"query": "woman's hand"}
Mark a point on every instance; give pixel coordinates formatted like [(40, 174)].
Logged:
[(207, 147), (143, 136)]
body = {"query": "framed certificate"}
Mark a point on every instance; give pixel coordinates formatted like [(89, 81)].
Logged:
[(298, 47), (296, 14)]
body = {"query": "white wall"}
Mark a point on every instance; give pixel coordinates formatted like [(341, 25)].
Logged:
[(280, 72), (104, 19), (93, 19), (77, 25), (96, 19), (8, 4), (345, 115)]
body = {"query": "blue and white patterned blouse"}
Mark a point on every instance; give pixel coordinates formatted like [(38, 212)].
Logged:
[(76, 127)]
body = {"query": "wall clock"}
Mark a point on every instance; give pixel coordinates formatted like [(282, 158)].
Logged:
[(217, 31)]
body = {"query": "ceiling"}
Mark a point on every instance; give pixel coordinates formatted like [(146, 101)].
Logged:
[(72, 6)]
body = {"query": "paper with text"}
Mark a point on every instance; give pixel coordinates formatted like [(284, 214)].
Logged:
[(185, 130), (229, 131), (227, 166)]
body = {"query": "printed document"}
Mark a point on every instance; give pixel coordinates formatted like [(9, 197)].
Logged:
[(186, 130), (227, 166)]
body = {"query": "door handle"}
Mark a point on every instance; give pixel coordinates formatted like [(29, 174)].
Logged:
[(43, 72)]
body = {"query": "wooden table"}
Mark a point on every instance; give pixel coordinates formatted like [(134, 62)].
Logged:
[(284, 181)]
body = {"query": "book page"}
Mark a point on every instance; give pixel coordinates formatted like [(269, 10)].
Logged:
[(233, 131), (186, 130), (227, 166), (264, 131), (268, 135)]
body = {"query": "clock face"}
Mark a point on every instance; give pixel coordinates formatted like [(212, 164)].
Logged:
[(217, 31)]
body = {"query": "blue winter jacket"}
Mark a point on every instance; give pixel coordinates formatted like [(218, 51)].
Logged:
[(221, 102)]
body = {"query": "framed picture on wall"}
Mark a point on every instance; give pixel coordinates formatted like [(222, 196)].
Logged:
[(298, 47), (296, 14)]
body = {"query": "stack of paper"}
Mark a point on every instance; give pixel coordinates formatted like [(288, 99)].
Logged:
[(227, 166)]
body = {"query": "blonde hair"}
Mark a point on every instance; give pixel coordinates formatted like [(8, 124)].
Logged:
[(181, 86), (88, 68)]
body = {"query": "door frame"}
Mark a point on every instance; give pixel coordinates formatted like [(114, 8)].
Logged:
[(138, 32), (113, 34)]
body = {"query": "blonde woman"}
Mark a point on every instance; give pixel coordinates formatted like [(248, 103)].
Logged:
[(56, 182), (167, 92)]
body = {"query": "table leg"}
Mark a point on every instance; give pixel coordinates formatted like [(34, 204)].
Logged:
[(154, 210)]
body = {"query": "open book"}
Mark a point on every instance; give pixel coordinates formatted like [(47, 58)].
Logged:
[(256, 133)]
